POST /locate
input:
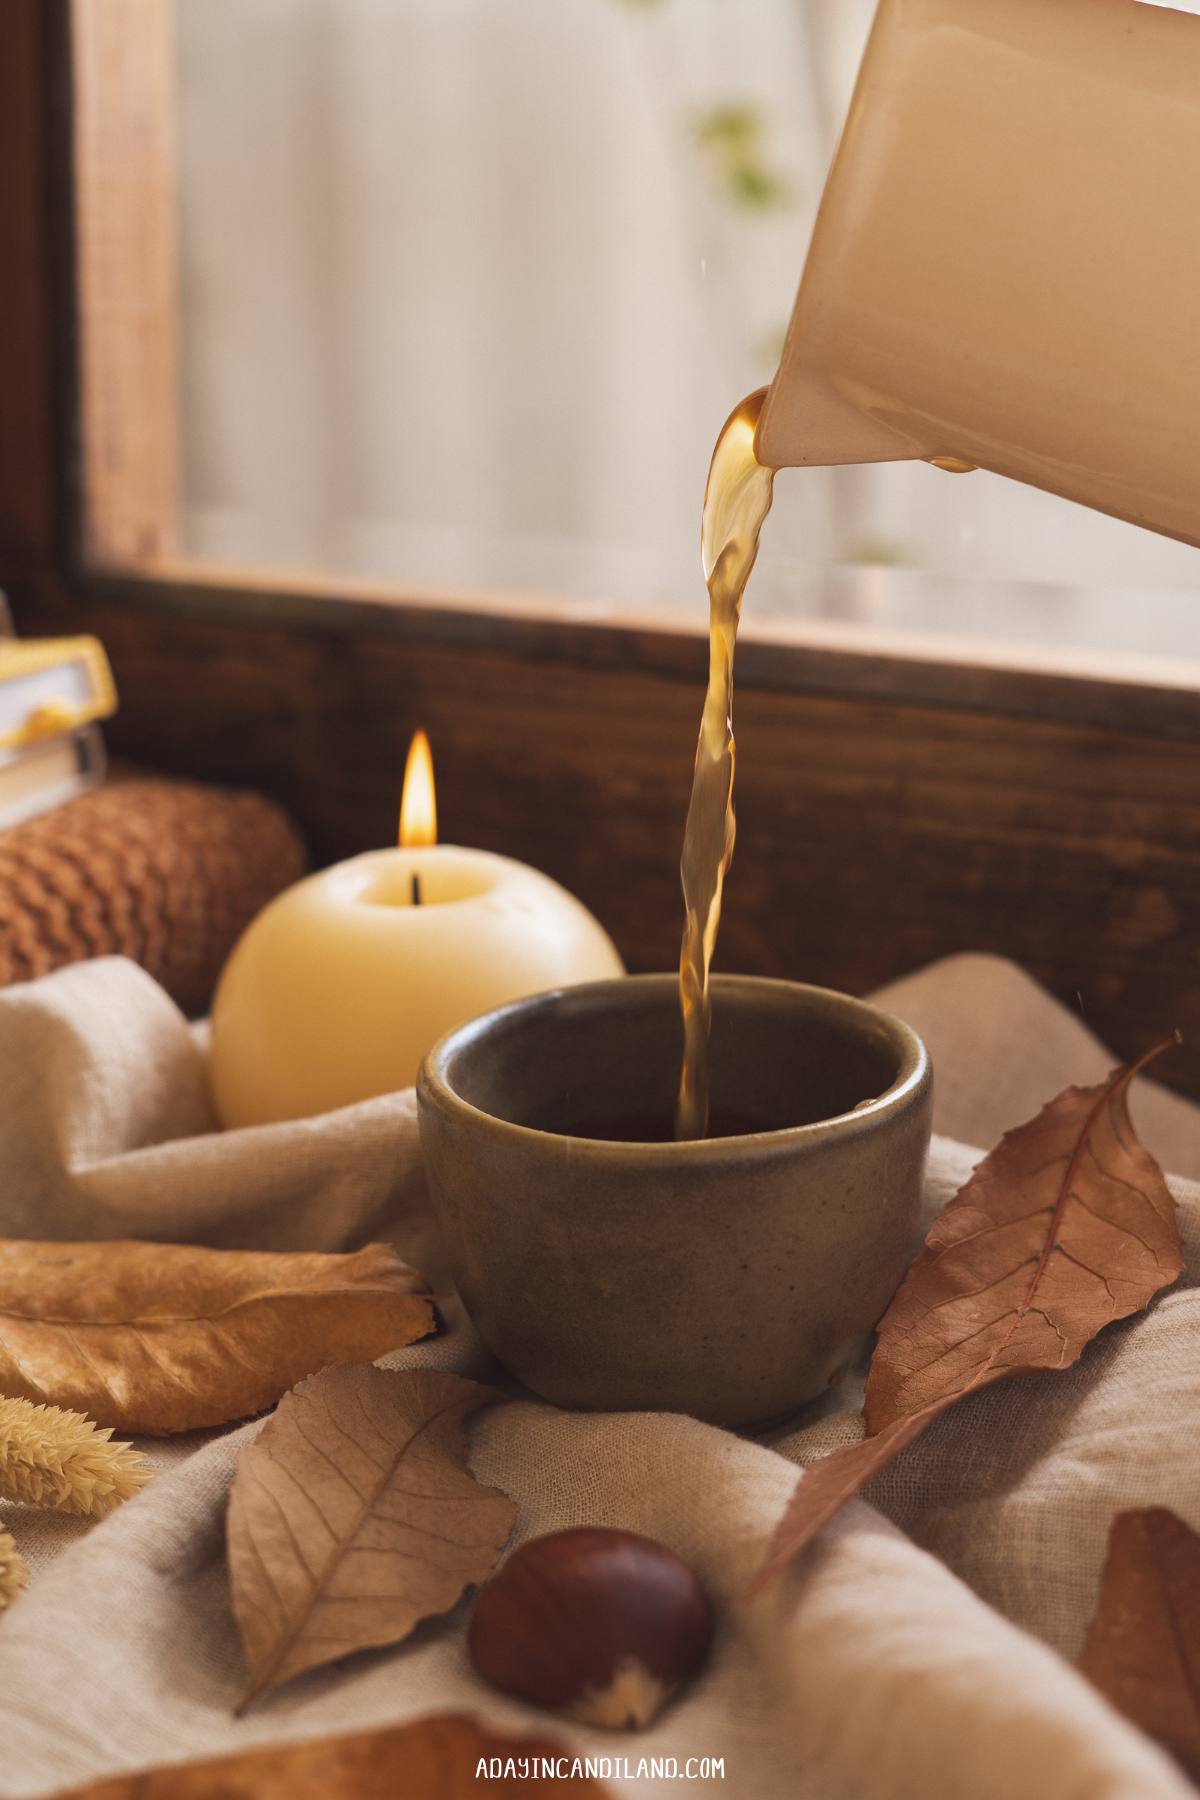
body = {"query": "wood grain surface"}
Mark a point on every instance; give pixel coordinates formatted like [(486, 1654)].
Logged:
[(873, 835), (26, 351)]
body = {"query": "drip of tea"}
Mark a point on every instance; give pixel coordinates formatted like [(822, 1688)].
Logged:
[(737, 499)]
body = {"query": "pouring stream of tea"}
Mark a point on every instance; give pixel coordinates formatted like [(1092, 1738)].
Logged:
[(737, 499)]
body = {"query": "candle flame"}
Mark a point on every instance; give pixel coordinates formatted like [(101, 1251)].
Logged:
[(418, 803)]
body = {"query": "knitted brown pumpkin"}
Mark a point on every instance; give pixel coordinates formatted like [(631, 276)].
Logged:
[(165, 872)]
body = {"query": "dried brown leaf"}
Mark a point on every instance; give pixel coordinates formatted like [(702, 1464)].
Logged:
[(1143, 1649), (431, 1759), (1067, 1226), (353, 1517), (824, 1489), (167, 1337)]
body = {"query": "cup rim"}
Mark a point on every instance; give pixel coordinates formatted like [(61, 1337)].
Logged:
[(434, 1087)]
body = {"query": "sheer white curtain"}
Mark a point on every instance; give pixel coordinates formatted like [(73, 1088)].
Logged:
[(467, 295), (466, 300)]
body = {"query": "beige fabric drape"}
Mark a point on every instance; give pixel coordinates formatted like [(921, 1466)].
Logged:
[(918, 1651)]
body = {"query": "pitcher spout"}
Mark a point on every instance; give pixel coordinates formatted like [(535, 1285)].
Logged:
[(806, 423), (1003, 268)]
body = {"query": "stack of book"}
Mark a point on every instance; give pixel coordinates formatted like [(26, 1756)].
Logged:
[(53, 693)]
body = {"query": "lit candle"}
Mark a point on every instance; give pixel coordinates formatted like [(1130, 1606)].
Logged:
[(339, 987)]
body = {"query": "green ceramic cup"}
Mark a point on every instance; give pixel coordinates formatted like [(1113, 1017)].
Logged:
[(730, 1278)]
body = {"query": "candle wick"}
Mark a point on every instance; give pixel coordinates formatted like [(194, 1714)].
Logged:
[(416, 890)]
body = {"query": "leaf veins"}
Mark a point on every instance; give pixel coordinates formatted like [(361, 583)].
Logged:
[(169, 1337), (353, 1517), (1065, 1227)]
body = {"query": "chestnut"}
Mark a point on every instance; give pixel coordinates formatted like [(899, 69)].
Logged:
[(603, 1626)]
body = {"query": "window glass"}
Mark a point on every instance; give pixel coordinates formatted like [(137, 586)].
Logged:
[(468, 289)]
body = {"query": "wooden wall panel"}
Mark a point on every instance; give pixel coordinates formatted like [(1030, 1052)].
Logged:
[(874, 835), (26, 396)]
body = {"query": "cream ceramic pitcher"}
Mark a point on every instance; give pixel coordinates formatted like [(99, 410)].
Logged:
[(1005, 269)]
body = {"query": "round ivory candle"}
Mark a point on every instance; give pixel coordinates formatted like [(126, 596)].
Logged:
[(339, 987)]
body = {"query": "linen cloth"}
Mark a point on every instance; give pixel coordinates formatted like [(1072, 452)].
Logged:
[(920, 1650)]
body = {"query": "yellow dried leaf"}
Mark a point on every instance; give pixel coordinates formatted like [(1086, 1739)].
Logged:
[(431, 1759), (167, 1337)]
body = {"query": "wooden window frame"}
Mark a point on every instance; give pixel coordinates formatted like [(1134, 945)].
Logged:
[(894, 805)]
